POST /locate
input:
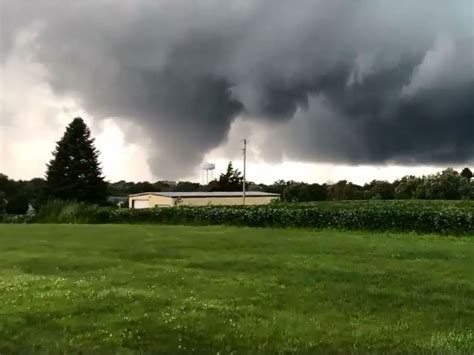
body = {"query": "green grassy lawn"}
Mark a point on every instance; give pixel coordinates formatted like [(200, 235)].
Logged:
[(123, 288)]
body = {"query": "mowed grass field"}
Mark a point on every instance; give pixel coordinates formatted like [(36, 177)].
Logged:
[(169, 289)]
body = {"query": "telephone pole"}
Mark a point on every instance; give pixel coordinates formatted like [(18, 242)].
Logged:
[(244, 151)]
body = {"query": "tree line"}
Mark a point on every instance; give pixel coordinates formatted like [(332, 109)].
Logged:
[(448, 184), (74, 174), (445, 185)]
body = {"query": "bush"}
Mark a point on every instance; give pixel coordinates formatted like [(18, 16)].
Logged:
[(429, 217), (58, 211), (51, 210), (15, 218)]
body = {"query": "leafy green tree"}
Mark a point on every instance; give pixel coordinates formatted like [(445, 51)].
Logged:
[(466, 173), (406, 187), (278, 187), (34, 190), (74, 173), (124, 188), (293, 192), (119, 188), (446, 185), (343, 190), (15, 195), (302, 192), (3, 202), (6, 185), (163, 186), (231, 180), (382, 190), (466, 189), (18, 204), (186, 186), (142, 186)]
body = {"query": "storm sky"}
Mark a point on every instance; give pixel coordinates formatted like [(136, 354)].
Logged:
[(340, 82)]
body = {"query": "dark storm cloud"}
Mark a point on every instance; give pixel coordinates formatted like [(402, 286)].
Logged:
[(372, 76), (415, 131)]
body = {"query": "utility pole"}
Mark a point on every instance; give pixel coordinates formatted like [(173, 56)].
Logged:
[(244, 151)]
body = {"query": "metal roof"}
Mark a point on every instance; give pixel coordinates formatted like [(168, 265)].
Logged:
[(208, 194)]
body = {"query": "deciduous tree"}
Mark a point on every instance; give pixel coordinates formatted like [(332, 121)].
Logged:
[(466, 173), (231, 180)]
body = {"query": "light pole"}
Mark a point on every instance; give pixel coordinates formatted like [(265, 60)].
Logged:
[(244, 151)]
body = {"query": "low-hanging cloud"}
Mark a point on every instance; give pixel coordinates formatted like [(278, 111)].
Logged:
[(352, 81)]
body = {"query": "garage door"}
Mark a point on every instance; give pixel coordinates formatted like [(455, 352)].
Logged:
[(140, 203)]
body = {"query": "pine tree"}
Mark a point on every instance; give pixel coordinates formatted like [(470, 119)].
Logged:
[(74, 173)]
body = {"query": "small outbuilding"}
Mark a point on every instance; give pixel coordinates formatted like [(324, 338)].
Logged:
[(169, 199)]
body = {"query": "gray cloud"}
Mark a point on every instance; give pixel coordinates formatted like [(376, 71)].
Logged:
[(353, 81)]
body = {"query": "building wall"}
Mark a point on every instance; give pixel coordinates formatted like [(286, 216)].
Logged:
[(131, 201), (162, 201), (153, 200)]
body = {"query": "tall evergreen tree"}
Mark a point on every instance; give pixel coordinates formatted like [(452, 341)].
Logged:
[(74, 173)]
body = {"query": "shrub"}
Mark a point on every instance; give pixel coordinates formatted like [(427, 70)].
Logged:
[(428, 217), (58, 211), (15, 218)]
